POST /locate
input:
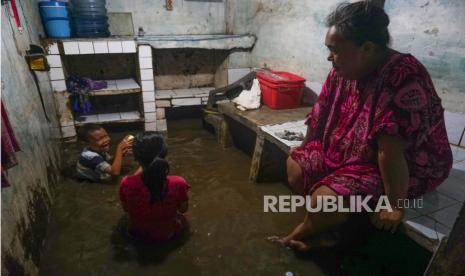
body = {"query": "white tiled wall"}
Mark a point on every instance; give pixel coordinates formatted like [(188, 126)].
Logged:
[(145, 62), (95, 47), (101, 47), (161, 125), (58, 85), (129, 46), (109, 47), (160, 113), (86, 47), (145, 51), (148, 96), (57, 74), (71, 48), (163, 103), (54, 61), (146, 74), (149, 107), (115, 47), (147, 85), (53, 49), (150, 117), (151, 126)]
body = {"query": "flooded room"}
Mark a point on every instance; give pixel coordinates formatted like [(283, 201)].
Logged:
[(232, 137)]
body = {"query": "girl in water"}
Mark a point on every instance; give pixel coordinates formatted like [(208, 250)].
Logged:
[(155, 201)]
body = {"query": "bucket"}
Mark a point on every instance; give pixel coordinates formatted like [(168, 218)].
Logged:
[(55, 18)]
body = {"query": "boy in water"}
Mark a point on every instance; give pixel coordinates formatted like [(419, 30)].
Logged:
[(93, 163)]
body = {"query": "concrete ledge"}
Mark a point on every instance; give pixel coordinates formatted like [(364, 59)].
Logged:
[(218, 42)]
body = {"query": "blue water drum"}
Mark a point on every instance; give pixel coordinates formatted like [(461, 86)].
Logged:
[(89, 18), (55, 18)]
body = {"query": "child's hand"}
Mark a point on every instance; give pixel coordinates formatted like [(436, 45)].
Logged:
[(127, 150), (124, 146), (129, 139)]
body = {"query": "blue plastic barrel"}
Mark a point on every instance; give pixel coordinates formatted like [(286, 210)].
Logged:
[(55, 18), (89, 18)]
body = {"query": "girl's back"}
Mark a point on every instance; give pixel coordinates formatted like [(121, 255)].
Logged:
[(160, 220)]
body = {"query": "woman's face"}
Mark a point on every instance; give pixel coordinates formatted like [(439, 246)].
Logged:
[(349, 60)]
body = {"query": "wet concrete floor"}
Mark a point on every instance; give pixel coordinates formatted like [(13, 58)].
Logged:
[(228, 228)]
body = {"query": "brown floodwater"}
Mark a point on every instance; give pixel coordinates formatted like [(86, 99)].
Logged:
[(228, 228)]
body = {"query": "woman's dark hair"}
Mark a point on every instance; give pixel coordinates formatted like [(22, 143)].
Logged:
[(150, 150), (360, 22)]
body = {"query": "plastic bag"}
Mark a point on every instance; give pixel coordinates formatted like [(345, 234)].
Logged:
[(249, 99)]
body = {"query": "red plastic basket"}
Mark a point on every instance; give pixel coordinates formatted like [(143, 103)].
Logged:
[(281, 90)]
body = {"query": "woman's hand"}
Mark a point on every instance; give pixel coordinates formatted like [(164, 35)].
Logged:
[(291, 150), (395, 174), (389, 221)]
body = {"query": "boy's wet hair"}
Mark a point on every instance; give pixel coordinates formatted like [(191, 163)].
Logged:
[(84, 131)]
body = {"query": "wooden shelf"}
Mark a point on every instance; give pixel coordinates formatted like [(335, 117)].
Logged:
[(105, 118), (118, 87)]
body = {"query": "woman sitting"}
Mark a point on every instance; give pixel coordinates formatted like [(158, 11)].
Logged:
[(377, 127)]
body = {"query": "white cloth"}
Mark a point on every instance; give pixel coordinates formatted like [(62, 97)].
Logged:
[(249, 99)]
